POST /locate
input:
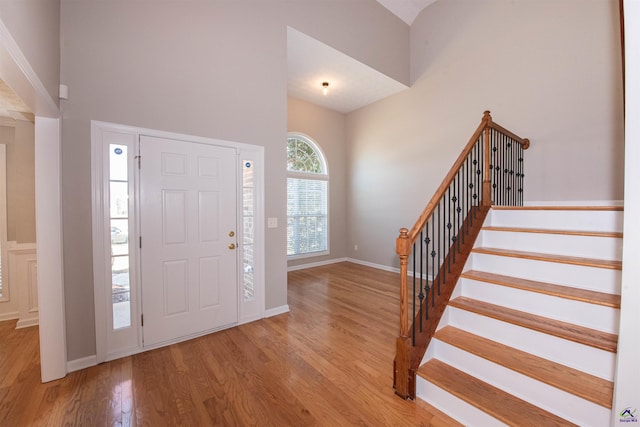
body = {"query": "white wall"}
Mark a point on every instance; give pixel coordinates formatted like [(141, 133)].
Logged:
[(327, 128), (208, 68), (549, 70), (627, 383)]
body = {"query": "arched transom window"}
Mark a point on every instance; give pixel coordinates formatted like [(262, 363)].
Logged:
[(307, 198)]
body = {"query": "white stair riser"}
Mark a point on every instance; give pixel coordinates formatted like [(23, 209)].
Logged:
[(456, 408), (558, 220), (609, 248), (542, 395), (575, 312), (577, 276), (591, 360)]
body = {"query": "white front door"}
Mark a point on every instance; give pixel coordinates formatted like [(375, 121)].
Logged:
[(188, 228)]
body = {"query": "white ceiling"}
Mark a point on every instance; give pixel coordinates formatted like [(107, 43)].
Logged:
[(407, 10), (352, 84)]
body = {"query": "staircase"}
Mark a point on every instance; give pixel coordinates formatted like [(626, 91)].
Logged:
[(529, 335)]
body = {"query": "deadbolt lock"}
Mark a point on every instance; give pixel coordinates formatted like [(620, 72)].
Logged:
[(232, 246), (231, 234)]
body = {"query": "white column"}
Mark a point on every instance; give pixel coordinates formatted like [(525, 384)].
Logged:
[(53, 346)]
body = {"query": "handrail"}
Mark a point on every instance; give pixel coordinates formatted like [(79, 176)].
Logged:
[(488, 171), (428, 210)]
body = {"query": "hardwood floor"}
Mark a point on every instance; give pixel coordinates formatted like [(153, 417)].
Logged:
[(327, 363)]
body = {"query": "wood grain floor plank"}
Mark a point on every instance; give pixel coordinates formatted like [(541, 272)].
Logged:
[(576, 294), (327, 363), (564, 259), (497, 403), (611, 234), (581, 384), (568, 331)]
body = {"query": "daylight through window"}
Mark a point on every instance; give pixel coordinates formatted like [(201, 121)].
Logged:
[(307, 199)]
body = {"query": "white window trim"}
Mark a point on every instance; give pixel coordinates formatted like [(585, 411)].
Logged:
[(320, 177)]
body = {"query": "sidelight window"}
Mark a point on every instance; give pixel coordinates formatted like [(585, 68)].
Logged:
[(119, 223)]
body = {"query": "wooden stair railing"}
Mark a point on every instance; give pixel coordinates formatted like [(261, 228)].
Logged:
[(488, 171)]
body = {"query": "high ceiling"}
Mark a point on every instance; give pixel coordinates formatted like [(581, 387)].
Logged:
[(407, 10), (352, 84)]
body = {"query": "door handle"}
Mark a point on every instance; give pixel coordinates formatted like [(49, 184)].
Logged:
[(232, 246)]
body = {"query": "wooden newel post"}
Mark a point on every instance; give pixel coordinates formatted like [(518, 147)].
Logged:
[(486, 177), (403, 343)]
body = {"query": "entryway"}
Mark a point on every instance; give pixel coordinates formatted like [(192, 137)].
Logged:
[(188, 229), (178, 237)]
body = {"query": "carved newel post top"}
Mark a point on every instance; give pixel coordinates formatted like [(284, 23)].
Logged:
[(402, 245)]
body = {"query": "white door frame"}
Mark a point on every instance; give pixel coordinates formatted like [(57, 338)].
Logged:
[(248, 311), (16, 71)]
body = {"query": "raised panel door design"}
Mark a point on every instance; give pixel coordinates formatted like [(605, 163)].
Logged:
[(175, 281), (188, 258), (209, 282), (174, 217), (208, 213)]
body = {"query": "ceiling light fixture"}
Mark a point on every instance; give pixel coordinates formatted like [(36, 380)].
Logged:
[(325, 88)]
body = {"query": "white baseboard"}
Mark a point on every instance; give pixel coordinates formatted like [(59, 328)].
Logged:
[(316, 264), (25, 323), (82, 363), (337, 260), (575, 203), (276, 310), (374, 265), (9, 316)]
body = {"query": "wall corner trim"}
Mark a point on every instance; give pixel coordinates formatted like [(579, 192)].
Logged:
[(276, 311), (81, 363)]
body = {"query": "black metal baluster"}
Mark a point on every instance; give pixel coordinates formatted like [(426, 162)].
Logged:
[(521, 183), (511, 200), (479, 179), (427, 240), (421, 294), (507, 170), (497, 168), (504, 167), (413, 309), (458, 210), (439, 254), (448, 245), (433, 260)]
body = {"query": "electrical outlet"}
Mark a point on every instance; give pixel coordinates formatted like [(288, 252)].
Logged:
[(272, 222)]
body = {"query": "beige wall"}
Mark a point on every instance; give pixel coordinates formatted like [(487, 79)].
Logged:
[(549, 70), (35, 26), (327, 128), (21, 210), (208, 68)]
